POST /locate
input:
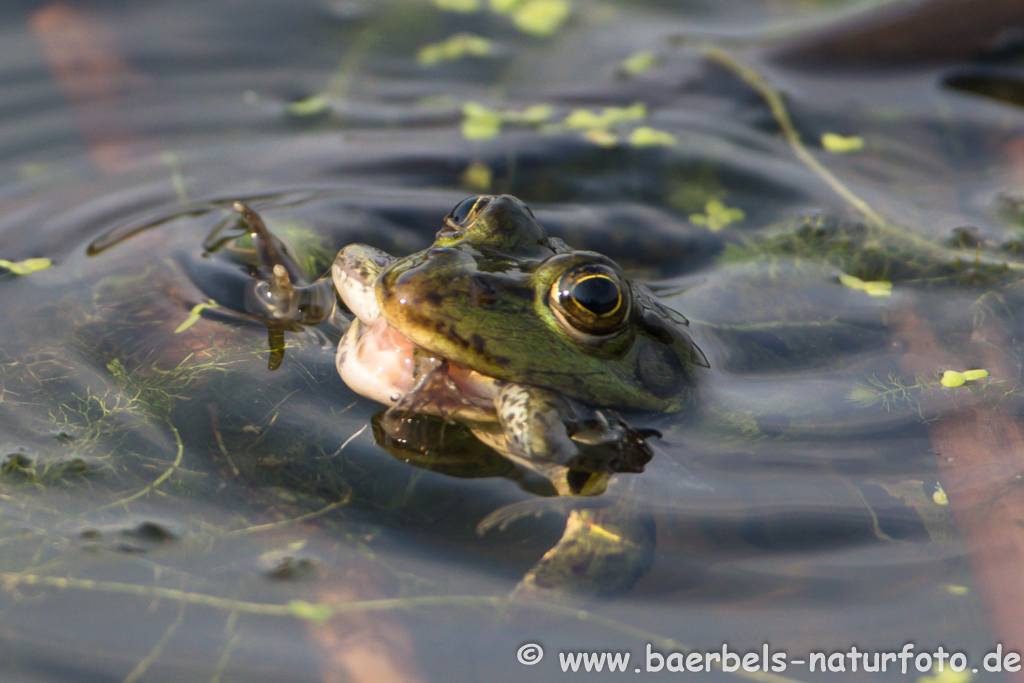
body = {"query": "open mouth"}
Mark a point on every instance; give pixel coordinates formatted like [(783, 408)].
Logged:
[(380, 363)]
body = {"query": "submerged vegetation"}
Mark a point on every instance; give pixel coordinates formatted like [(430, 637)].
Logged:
[(872, 256)]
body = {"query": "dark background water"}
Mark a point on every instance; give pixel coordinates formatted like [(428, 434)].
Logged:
[(788, 510)]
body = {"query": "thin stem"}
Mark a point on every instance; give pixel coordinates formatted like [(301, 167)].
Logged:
[(319, 612)]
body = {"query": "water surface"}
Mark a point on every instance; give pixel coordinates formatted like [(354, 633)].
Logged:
[(172, 510)]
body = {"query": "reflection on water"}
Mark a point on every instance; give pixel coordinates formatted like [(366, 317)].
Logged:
[(171, 510)]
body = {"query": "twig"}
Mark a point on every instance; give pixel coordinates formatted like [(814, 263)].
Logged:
[(322, 611), (777, 106)]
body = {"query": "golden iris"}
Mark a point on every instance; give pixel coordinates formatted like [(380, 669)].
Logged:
[(592, 298)]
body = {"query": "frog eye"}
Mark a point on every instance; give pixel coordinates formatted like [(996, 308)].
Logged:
[(592, 298), (466, 210)]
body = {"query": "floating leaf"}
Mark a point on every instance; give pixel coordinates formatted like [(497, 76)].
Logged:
[(540, 17), (606, 118), (458, 46), (194, 315), (458, 5), (639, 62), (583, 118), (878, 288), (946, 675), (477, 177), (533, 115), (952, 378), (479, 122), (601, 137), (652, 137), (873, 288), (717, 215), (26, 267), (311, 106), (841, 144)]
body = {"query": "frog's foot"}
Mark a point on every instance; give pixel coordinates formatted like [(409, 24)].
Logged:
[(606, 546), (279, 291), (607, 443), (603, 551), (577, 447), (278, 295)]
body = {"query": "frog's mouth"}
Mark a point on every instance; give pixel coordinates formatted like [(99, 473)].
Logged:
[(379, 362)]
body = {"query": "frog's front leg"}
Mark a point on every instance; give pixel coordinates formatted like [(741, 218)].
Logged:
[(279, 292), (278, 295), (579, 445)]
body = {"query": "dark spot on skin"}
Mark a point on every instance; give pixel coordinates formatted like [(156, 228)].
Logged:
[(478, 343), (456, 337), (433, 298), (449, 332)]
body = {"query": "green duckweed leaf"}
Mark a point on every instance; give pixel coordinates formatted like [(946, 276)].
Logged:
[(873, 288), (26, 267), (310, 106), (639, 62), (194, 315), (841, 144), (645, 136), (540, 17), (457, 47), (717, 215)]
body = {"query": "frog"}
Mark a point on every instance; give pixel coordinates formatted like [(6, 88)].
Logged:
[(532, 345)]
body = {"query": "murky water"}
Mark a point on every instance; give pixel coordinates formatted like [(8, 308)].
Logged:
[(172, 510)]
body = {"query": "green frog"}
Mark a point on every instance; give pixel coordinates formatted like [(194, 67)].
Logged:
[(529, 343)]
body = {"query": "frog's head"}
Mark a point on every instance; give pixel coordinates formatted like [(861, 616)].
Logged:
[(495, 294)]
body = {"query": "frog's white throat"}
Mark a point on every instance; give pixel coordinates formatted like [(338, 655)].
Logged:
[(377, 361)]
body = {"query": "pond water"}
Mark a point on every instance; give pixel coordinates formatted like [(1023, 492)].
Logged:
[(171, 509)]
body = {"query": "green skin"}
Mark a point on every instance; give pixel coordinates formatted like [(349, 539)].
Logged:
[(481, 296)]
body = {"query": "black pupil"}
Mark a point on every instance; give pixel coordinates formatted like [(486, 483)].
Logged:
[(599, 295), (461, 212)]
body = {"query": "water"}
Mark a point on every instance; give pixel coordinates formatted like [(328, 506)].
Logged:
[(171, 510)]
